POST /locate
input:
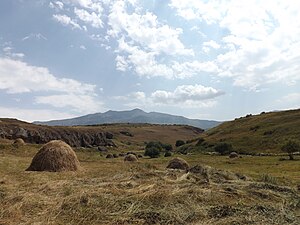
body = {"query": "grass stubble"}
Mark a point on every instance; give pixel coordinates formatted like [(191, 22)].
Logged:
[(111, 191)]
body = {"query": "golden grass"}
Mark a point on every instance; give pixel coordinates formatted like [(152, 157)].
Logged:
[(110, 191)]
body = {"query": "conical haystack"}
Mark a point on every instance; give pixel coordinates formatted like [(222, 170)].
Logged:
[(55, 156), (130, 158), (18, 142), (178, 163)]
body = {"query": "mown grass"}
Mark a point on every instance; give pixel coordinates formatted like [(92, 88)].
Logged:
[(110, 191)]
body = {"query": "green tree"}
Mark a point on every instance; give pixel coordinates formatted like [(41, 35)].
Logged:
[(223, 148), (152, 152), (290, 147), (179, 143)]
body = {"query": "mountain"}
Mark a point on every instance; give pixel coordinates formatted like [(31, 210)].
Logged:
[(265, 132), (131, 116)]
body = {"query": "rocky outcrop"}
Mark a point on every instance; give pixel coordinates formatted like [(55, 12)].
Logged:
[(38, 134)]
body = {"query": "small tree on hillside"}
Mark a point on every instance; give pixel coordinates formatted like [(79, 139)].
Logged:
[(290, 147), (223, 148), (152, 152), (179, 143)]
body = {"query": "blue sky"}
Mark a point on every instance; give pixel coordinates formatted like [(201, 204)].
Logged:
[(216, 59)]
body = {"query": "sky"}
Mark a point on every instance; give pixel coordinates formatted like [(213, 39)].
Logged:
[(216, 59)]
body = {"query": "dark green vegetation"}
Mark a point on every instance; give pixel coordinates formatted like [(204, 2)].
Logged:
[(291, 147), (264, 133), (132, 116)]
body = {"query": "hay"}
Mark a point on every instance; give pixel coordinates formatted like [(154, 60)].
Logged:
[(55, 156), (18, 142), (233, 155), (109, 156), (178, 163), (130, 158)]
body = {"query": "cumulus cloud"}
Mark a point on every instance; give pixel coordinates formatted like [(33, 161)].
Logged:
[(8, 51), (66, 21), (261, 38), (31, 115), (185, 94), (78, 103), (145, 30), (57, 5), (18, 77), (90, 18), (37, 36)]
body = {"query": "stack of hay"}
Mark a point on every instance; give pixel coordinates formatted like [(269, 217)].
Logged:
[(55, 156)]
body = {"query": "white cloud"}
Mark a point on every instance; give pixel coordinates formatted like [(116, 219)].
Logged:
[(57, 5), (145, 30), (66, 20), (90, 18), (185, 93), (184, 96), (77, 103), (291, 100), (121, 63), (37, 36), (8, 51), (261, 38), (82, 47), (208, 45), (31, 115), (18, 77)]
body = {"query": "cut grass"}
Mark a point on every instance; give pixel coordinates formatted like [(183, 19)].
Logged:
[(111, 191)]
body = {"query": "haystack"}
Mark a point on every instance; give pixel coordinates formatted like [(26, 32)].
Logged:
[(55, 156), (18, 142), (178, 163), (109, 156), (233, 155), (130, 158)]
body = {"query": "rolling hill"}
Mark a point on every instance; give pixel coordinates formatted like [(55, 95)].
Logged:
[(131, 116), (257, 133)]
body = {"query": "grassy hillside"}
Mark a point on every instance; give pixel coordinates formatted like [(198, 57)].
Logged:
[(258, 133)]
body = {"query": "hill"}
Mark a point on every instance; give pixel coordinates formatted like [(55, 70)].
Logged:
[(131, 116), (257, 133), (97, 135)]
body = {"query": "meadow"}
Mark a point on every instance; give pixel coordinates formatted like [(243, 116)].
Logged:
[(247, 190)]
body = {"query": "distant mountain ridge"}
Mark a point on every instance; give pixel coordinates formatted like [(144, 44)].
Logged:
[(131, 116)]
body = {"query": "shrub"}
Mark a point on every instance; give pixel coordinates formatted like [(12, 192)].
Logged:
[(168, 154), (154, 144), (200, 141), (152, 152), (167, 147), (223, 148), (290, 147), (179, 143)]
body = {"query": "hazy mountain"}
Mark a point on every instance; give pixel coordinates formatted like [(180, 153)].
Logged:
[(132, 116)]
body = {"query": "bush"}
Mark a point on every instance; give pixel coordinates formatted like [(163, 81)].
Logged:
[(223, 148), (167, 147), (200, 141), (179, 143), (154, 144), (290, 147), (168, 154), (152, 152)]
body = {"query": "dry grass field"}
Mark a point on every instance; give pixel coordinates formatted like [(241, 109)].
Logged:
[(111, 191)]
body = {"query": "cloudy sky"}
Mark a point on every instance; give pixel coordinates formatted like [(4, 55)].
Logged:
[(216, 59)]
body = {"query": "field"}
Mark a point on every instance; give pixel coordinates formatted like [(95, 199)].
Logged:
[(248, 190)]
